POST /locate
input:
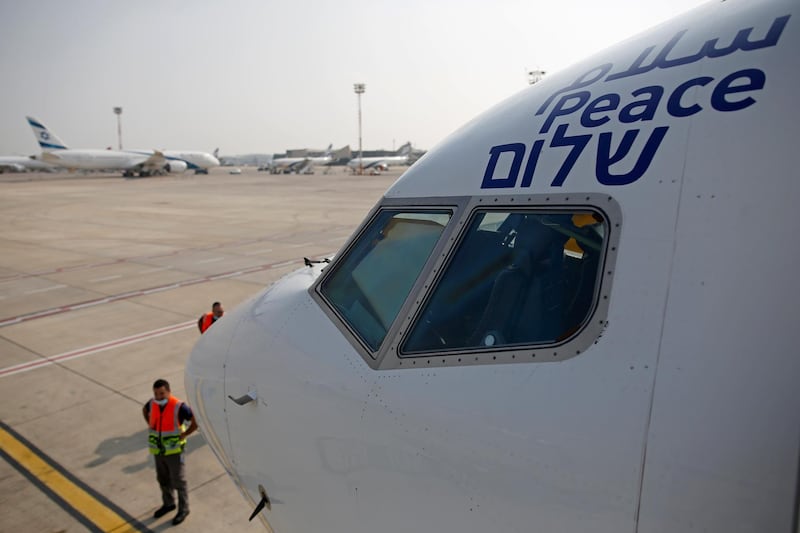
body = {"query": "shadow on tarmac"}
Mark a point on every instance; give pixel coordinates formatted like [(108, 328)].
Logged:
[(137, 442)]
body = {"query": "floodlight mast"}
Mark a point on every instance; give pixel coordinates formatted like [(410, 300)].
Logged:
[(359, 88), (118, 112)]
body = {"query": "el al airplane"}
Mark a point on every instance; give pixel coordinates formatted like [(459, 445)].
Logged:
[(578, 313), (143, 162), (378, 164), (195, 160), (298, 165)]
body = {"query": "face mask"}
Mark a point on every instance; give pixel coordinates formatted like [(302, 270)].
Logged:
[(163, 402)]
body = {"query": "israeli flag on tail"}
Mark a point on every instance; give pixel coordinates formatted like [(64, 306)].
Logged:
[(47, 140)]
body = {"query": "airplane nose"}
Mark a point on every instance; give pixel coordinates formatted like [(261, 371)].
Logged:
[(205, 385)]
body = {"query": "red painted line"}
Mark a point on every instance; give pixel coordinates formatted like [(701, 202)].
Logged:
[(124, 341)]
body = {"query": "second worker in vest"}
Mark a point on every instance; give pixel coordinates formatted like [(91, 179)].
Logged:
[(167, 418), (205, 321)]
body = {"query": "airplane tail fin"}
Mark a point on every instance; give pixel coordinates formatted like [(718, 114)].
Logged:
[(405, 149), (343, 153), (47, 140), (329, 150)]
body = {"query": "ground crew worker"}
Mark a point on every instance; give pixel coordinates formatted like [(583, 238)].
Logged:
[(209, 318), (167, 417)]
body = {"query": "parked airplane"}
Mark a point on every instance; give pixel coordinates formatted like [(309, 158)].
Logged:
[(142, 162), (575, 314), (18, 163), (200, 162), (305, 165), (382, 163)]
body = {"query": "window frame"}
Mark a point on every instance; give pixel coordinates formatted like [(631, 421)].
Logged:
[(390, 357), (373, 357)]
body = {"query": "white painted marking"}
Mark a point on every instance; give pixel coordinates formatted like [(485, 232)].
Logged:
[(50, 288), (151, 270), (97, 348), (212, 260), (128, 294), (81, 306), (107, 278), (285, 263), (301, 245), (159, 289)]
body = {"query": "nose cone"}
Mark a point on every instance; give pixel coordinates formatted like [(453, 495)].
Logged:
[(278, 348), (205, 384)]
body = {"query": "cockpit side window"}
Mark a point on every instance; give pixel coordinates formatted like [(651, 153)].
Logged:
[(369, 286), (517, 278)]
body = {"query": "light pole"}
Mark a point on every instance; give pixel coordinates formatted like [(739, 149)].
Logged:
[(359, 88), (118, 112)]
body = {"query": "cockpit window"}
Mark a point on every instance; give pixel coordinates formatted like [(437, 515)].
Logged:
[(369, 285), (517, 278)]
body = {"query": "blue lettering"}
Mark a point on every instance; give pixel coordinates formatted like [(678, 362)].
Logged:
[(580, 83), (756, 78), (727, 95), (578, 143), (636, 68), (612, 102), (561, 109), (674, 106), (605, 159), (648, 105), (709, 49), (661, 60), (533, 159), (742, 40), (489, 181)]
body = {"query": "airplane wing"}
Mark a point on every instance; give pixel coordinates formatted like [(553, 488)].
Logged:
[(150, 163), (156, 161), (303, 166), (298, 166)]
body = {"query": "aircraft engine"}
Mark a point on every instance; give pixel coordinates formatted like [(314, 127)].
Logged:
[(176, 167)]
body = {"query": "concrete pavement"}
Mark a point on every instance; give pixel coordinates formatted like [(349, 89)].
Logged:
[(101, 281)]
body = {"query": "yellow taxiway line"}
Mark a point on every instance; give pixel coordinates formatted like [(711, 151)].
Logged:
[(78, 499)]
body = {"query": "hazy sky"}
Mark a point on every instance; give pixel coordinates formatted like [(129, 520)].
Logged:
[(264, 75)]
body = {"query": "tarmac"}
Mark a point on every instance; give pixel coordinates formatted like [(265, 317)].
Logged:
[(102, 280)]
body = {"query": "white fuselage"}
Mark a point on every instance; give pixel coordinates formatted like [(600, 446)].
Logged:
[(299, 163), (55, 152), (671, 406), (286, 162), (93, 159), (387, 161), (193, 158)]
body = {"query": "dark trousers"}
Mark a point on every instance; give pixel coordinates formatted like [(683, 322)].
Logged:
[(171, 475)]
